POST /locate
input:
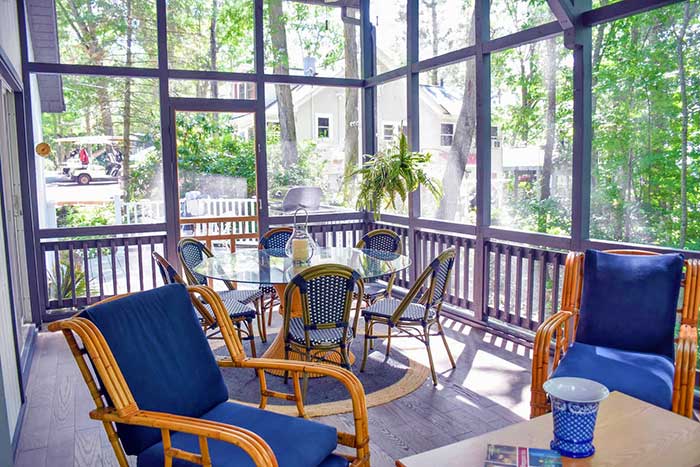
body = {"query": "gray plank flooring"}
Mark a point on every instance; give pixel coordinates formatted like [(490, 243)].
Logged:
[(488, 390)]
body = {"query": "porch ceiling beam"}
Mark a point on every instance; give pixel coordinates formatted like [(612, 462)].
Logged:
[(94, 70), (621, 10), (385, 77), (564, 12)]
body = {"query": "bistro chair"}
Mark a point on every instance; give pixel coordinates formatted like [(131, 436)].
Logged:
[(617, 326), (324, 328), (239, 313), (161, 397), (411, 317), (386, 241), (192, 252), (273, 239)]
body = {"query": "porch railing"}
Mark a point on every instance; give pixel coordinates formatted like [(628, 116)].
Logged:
[(80, 272)]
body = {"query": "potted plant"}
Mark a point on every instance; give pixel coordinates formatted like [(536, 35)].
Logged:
[(390, 175)]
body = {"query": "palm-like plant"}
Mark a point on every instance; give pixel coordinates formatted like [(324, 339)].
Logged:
[(391, 175)]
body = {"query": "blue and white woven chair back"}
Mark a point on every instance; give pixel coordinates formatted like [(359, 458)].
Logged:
[(276, 240), (192, 253), (385, 241), (327, 299), (442, 266)]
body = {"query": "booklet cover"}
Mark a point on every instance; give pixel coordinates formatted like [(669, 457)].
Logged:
[(515, 456)]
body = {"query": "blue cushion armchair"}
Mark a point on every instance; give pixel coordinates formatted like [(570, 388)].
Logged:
[(617, 326), (161, 397)]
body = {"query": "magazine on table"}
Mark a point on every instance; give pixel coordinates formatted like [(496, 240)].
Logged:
[(499, 455)]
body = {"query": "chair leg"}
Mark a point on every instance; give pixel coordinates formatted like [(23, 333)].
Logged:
[(345, 357), (260, 318), (388, 339), (447, 347), (272, 306), (305, 385), (368, 339), (251, 336), (426, 336)]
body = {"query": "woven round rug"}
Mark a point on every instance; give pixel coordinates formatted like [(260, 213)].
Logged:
[(384, 379)]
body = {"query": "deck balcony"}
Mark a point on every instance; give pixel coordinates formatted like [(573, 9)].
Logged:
[(553, 127)]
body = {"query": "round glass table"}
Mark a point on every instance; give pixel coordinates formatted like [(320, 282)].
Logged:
[(274, 267)]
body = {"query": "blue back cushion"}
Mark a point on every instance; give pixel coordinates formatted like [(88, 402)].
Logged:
[(629, 301), (160, 348)]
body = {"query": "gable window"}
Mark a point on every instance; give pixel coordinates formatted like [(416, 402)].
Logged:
[(323, 126), (447, 131)]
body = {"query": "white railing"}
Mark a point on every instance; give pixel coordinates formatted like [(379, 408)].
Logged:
[(146, 211)]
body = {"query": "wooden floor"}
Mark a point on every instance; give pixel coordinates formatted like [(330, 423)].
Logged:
[(488, 390)]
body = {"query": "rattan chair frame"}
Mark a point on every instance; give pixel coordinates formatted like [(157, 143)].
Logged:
[(418, 329), (192, 280), (361, 244), (558, 332), (114, 402)]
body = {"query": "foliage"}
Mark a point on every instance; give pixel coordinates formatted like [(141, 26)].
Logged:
[(390, 175), (85, 216), (210, 144), (308, 170), (64, 289)]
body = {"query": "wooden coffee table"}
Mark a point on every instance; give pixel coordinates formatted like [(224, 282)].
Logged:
[(629, 432)]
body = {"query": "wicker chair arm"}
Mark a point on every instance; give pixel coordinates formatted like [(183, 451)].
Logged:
[(357, 393), (684, 376), (251, 443), (555, 327)]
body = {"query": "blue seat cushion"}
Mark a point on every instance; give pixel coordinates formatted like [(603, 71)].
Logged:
[(645, 376), (161, 350), (296, 442), (629, 301)]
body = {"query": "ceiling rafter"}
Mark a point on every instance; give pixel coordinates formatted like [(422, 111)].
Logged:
[(564, 12)]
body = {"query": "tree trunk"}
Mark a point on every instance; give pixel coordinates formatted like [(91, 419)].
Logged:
[(352, 134), (213, 48), (465, 130), (104, 104), (283, 92), (435, 39), (550, 80), (127, 100)]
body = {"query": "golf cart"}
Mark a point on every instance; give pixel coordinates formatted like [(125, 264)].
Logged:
[(92, 158)]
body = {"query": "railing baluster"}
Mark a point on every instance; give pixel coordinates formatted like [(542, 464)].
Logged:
[(113, 248), (519, 287), (126, 265), (498, 313), (58, 279), (71, 271), (530, 288), (542, 290), (508, 279), (555, 283), (100, 274), (139, 252), (86, 272)]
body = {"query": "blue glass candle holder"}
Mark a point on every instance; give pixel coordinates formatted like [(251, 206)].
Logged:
[(575, 403)]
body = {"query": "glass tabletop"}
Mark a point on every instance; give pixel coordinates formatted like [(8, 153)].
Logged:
[(272, 266)]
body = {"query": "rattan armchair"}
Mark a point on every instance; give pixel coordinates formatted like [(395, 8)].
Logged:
[(274, 239), (557, 336), (192, 252), (144, 348), (386, 241), (413, 316)]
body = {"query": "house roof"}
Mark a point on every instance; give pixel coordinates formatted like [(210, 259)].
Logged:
[(41, 15)]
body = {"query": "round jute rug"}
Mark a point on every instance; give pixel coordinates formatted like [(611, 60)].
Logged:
[(384, 379)]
